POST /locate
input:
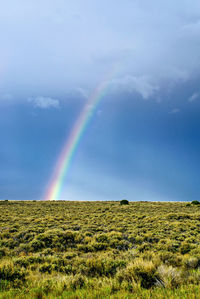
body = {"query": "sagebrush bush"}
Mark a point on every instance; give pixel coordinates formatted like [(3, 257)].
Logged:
[(169, 277), (77, 281), (191, 262), (140, 271), (2, 252), (12, 274)]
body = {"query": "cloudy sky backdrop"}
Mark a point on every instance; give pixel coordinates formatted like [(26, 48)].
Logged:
[(143, 140)]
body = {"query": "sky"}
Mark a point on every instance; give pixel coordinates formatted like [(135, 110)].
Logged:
[(142, 141)]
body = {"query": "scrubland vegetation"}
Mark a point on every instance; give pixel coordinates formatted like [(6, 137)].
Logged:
[(99, 250)]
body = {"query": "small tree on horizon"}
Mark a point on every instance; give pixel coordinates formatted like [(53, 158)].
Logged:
[(124, 202)]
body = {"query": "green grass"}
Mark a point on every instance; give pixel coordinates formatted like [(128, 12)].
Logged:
[(99, 250)]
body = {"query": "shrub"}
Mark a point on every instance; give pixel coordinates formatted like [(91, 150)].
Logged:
[(102, 238), (140, 271), (10, 273), (124, 202), (36, 245), (2, 252), (45, 268), (57, 238), (169, 258), (169, 277), (185, 248), (101, 266), (22, 262), (85, 248), (195, 202), (99, 246), (77, 281), (191, 262)]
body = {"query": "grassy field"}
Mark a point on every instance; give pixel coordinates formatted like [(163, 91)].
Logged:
[(99, 250)]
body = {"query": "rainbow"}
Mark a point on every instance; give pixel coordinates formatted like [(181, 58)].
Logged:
[(64, 160)]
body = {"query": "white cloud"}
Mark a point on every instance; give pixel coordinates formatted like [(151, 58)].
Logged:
[(193, 97), (44, 102), (7, 96), (141, 85), (82, 92), (79, 92), (174, 111)]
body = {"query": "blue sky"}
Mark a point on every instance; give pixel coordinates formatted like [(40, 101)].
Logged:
[(143, 140)]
